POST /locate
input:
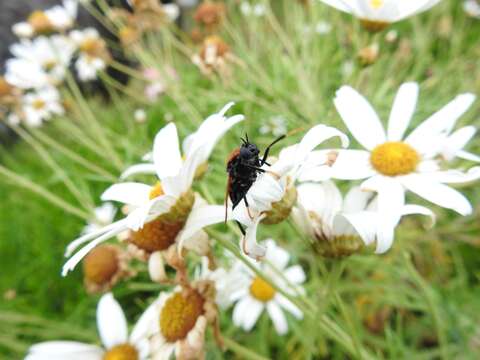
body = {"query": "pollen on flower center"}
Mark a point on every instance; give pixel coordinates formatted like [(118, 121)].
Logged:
[(38, 104), (156, 191), (121, 352), (261, 290), (179, 315), (40, 21), (101, 264), (394, 158)]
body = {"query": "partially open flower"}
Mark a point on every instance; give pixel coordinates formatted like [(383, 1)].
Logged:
[(113, 330), (210, 14), (103, 267), (179, 320), (340, 227)]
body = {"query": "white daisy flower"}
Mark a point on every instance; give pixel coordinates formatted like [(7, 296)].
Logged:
[(253, 295), (377, 14), (41, 105), (40, 62), (93, 55), (58, 18), (158, 214), (178, 321), (273, 194), (393, 163), (113, 330), (103, 216), (339, 227), (472, 8)]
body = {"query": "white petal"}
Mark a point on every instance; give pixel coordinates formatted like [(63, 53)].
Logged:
[(199, 218), (456, 176), (91, 235), (360, 118), (130, 193), (278, 318), (64, 349), (277, 256), (411, 209), (295, 274), (338, 4), (252, 314), (149, 211), (111, 322), (356, 200), (468, 156), (156, 267), (240, 309), (442, 121), (437, 193), (144, 326), (352, 165), (289, 306), (457, 141), (166, 152), (138, 169), (364, 223), (402, 111), (249, 242)]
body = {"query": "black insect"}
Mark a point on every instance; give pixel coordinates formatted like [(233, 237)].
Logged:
[(243, 166)]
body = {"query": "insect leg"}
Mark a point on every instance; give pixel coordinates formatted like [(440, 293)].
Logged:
[(254, 168), (267, 150), (248, 207), (242, 230)]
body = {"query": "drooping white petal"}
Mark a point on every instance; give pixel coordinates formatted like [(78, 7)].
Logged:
[(359, 117), (402, 111), (166, 152), (111, 322), (156, 267), (249, 243), (130, 193), (437, 193), (138, 169), (277, 256), (60, 350), (199, 218), (278, 317)]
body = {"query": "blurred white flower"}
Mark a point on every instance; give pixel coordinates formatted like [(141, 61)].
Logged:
[(256, 9), (253, 295), (103, 216), (381, 11), (93, 53), (113, 330), (171, 196), (335, 224), (472, 8), (140, 116), (40, 62), (59, 18), (276, 126), (41, 105), (393, 163)]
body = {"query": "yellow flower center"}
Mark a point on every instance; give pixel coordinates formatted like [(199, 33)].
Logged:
[(121, 352), (38, 104), (156, 191), (394, 158), (261, 290), (5, 88), (40, 22), (159, 234), (376, 4), (179, 315), (101, 264)]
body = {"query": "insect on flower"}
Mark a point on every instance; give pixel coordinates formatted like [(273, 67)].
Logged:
[(243, 166)]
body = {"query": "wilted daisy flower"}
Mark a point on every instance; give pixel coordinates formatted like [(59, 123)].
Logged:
[(472, 8), (178, 321), (40, 62), (214, 56), (93, 53), (253, 294), (113, 331), (393, 163), (209, 14), (375, 15), (56, 19), (339, 227), (273, 194), (159, 213), (41, 105)]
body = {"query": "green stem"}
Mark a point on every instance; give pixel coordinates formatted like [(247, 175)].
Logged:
[(241, 350)]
